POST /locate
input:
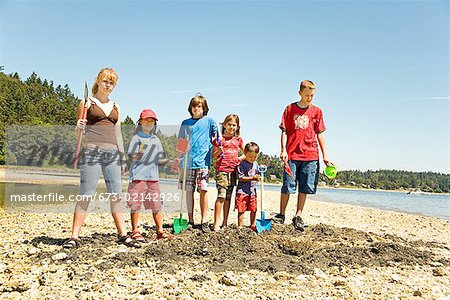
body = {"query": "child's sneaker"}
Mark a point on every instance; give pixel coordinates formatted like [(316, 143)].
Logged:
[(190, 226), (253, 228), (298, 223), (279, 218)]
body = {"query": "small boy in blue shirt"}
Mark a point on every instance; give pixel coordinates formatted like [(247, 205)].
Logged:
[(246, 190)]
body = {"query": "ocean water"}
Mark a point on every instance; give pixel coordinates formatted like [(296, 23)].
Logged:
[(433, 205)]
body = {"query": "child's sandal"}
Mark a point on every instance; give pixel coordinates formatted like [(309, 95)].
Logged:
[(164, 235), (71, 243), (128, 241), (137, 236)]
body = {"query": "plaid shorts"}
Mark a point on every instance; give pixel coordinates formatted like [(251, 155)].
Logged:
[(195, 178)]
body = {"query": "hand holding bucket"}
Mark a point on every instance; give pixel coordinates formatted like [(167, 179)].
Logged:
[(330, 171)]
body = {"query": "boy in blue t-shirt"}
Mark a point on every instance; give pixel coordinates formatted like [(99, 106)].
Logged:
[(201, 131), (246, 189)]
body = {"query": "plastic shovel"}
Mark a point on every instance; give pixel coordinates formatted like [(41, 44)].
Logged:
[(181, 224), (287, 168), (263, 223), (182, 146)]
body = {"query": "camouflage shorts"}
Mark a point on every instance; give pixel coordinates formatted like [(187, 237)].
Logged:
[(225, 183)]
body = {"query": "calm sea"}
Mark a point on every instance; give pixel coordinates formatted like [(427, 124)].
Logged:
[(434, 205)]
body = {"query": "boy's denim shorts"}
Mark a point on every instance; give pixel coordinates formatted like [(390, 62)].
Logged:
[(306, 176)]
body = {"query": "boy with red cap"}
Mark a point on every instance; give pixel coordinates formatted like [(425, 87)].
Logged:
[(147, 153)]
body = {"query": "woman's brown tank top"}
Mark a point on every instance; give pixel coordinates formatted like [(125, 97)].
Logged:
[(100, 129)]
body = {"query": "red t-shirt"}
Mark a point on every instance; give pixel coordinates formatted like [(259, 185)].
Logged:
[(231, 147), (302, 126)]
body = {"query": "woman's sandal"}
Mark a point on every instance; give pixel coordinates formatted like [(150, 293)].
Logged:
[(164, 235), (71, 243), (137, 236), (128, 241)]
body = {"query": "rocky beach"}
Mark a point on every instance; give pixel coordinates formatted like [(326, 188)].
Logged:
[(346, 252)]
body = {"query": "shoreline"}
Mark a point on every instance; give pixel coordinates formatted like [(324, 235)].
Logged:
[(72, 179), (66, 173)]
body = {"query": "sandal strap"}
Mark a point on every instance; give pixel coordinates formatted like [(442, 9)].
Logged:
[(128, 241), (71, 243), (164, 235), (136, 234)]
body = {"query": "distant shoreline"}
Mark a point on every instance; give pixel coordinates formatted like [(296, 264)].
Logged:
[(73, 174)]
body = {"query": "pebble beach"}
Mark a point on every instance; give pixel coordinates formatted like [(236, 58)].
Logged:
[(346, 252)]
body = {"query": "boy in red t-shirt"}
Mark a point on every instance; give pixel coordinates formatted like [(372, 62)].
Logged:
[(302, 129)]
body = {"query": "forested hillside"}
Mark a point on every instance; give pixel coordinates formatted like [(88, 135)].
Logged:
[(36, 101)]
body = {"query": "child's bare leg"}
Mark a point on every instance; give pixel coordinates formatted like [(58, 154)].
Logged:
[(284, 199), (226, 212), (134, 220), (204, 205), (301, 199), (157, 216), (241, 219), (190, 205), (217, 209), (253, 218)]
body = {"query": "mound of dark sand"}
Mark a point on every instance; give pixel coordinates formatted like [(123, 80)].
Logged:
[(281, 249)]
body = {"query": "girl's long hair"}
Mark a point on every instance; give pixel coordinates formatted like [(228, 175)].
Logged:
[(228, 119)]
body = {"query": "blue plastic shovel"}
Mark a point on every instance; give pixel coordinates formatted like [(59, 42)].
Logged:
[(263, 223)]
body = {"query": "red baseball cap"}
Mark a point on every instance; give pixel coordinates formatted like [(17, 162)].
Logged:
[(148, 113)]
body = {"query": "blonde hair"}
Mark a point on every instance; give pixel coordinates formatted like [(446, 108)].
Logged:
[(307, 84), (228, 119), (196, 100), (109, 73)]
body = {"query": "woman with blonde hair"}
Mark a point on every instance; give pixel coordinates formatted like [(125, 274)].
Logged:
[(103, 152)]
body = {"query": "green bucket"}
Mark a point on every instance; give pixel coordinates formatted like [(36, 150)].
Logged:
[(331, 172)]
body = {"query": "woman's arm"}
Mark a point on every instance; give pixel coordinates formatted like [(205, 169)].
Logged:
[(118, 131), (81, 123)]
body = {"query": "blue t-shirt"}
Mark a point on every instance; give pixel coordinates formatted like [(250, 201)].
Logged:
[(147, 167), (201, 132), (247, 169)]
